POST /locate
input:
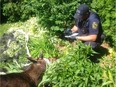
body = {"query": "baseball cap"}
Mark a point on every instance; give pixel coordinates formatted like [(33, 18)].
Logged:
[(82, 10)]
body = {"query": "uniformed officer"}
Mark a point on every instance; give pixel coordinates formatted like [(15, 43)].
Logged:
[(88, 25)]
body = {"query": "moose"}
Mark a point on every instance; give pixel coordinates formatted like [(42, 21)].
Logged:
[(31, 77)]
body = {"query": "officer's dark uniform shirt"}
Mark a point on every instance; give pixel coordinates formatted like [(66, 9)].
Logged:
[(91, 26)]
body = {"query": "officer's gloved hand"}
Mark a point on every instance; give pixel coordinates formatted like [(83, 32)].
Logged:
[(72, 36), (67, 32)]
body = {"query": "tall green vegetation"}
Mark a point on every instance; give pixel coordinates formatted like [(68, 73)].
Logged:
[(74, 70)]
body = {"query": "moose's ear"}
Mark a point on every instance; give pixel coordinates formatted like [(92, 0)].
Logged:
[(41, 55), (32, 60)]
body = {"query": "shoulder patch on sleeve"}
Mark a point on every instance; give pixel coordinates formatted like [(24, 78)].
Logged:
[(94, 25)]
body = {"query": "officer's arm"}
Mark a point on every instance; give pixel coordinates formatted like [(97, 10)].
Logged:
[(74, 29), (87, 38)]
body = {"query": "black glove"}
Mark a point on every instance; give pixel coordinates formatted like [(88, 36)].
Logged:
[(72, 37), (67, 32)]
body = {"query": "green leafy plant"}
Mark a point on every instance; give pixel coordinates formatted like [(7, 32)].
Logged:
[(18, 10), (59, 14), (73, 70), (42, 43)]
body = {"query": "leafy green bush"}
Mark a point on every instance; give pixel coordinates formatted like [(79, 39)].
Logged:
[(106, 10), (56, 15), (74, 70), (19, 9)]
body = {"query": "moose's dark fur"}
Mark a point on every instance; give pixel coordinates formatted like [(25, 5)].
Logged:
[(29, 78)]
